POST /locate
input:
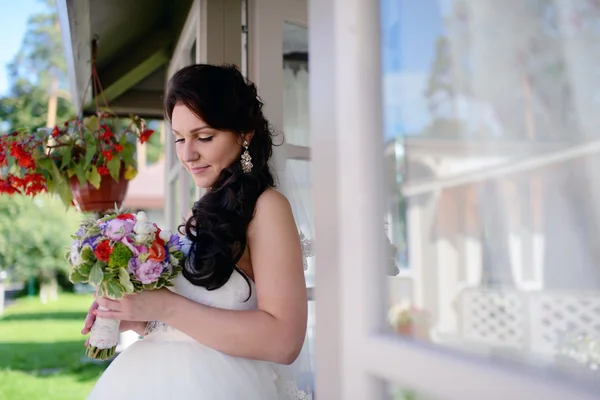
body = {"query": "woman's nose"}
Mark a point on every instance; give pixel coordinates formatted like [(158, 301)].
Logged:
[(189, 152)]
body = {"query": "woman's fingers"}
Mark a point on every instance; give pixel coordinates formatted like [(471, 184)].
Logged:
[(89, 319), (109, 304)]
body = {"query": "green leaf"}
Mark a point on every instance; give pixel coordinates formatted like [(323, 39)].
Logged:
[(102, 291), (85, 269), (96, 275), (150, 286), (114, 166), (114, 290), (87, 253), (64, 192), (66, 157), (125, 281), (91, 123), (90, 152), (94, 177), (46, 164), (80, 172), (128, 153), (76, 277)]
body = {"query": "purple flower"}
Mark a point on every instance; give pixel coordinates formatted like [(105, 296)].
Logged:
[(116, 229), (174, 243), (133, 265), (91, 241), (102, 226), (149, 271)]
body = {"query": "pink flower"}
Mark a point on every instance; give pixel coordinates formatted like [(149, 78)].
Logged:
[(148, 272), (128, 241), (116, 229)]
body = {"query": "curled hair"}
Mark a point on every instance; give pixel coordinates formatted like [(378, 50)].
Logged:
[(225, 100)]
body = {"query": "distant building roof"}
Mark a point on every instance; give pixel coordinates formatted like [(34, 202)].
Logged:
[(147, 189)]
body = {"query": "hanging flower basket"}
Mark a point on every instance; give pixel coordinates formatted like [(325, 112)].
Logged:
[(109, 195), (88, 161)]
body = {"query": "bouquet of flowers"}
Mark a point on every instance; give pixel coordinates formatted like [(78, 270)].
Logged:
[(122, 254)]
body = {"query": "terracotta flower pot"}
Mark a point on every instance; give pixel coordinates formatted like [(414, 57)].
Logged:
[(89, 199), (405, 329)]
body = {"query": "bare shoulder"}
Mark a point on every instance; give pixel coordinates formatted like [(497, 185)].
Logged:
[(272, 201), (272, 208)]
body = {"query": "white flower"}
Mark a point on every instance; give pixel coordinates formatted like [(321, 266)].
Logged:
[(165, 236), (141, 217), (143, 239), (144, 228)]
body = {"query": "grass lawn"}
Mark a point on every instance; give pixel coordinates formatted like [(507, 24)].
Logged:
[(41, 350)]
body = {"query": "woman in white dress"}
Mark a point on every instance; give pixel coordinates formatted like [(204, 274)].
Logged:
[(236, 317)]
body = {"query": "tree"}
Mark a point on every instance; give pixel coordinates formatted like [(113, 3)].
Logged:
[(37, 97), (34, 236)]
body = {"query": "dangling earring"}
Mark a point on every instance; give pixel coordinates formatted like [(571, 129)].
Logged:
[(246, 159)]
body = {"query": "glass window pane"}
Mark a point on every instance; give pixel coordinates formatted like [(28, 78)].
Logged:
[(193, 193), (491, 132), (299, 194), (175, 204), (397, 392), (193, 53), (295, 85)]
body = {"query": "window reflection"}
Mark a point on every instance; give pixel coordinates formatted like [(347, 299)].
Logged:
[(492, 153)]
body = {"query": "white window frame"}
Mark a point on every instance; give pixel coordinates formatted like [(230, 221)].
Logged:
[(354, 354), (193, 31)]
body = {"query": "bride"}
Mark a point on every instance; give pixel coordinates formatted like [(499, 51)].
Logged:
[(236, 318)]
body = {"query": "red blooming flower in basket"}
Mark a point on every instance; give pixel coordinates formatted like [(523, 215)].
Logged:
[(87, 149)]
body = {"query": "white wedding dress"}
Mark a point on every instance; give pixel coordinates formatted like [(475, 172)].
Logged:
[(168, 364)]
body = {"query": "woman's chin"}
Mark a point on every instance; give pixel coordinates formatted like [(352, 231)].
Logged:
[(203, 183)]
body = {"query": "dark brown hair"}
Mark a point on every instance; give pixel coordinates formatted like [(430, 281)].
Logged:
[(225, 100)]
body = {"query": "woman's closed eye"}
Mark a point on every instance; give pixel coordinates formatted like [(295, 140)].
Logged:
[(202, 139)]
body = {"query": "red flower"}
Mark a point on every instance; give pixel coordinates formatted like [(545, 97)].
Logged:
[(107, 135), (145, 135), (118, 148), (7, 188), (103, 251), (55, 132), (23, 158), (157, 251), (103, 170), (107, 154), (126, 216)]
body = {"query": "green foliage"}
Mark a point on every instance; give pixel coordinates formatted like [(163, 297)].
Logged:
[(34, 233), (37, 69)]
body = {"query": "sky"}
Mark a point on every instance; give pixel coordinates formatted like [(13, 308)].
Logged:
[(13, 22)]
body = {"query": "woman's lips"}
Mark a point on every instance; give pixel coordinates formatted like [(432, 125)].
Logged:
[(199, 170)]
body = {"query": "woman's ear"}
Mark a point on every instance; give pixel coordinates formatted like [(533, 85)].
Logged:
[(247, 136)]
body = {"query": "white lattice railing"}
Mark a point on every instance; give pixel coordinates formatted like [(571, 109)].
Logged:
[(532, 321)]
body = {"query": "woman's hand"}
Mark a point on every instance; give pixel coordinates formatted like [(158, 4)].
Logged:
[(150, 305), (136, 326)]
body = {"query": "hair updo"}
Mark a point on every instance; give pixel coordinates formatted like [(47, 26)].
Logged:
[(225, 100)]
